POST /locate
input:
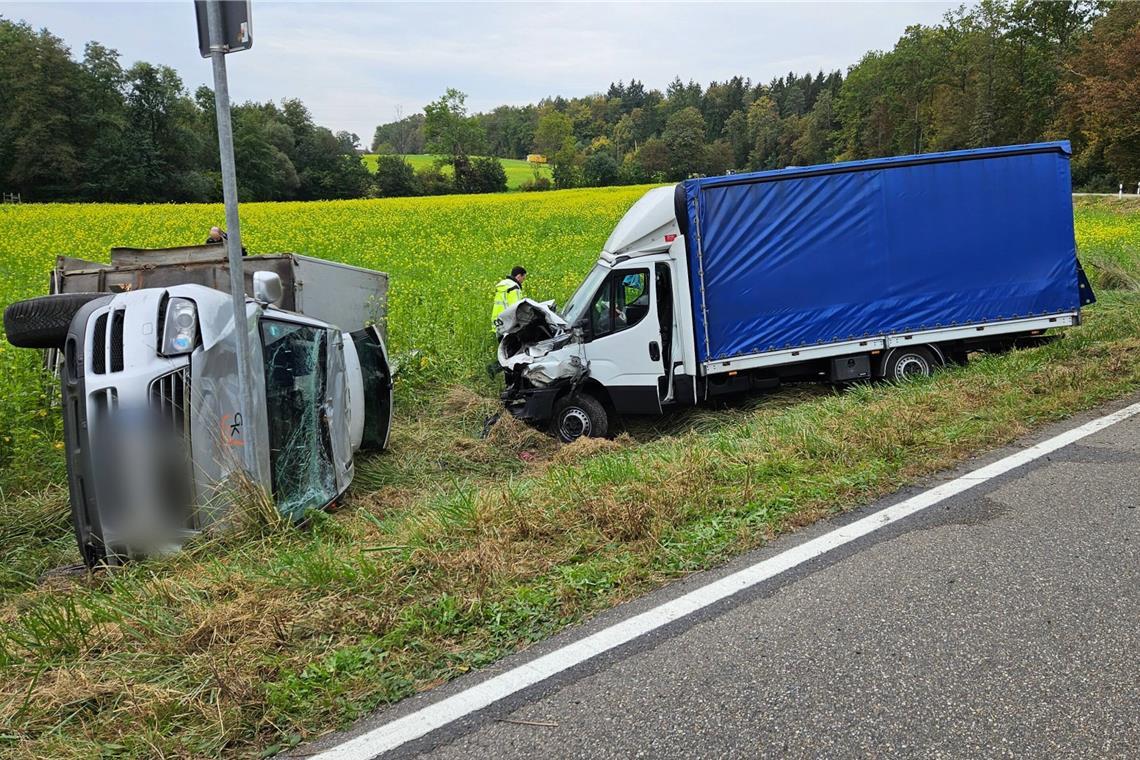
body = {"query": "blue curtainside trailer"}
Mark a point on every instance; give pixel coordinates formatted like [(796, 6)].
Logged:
[(883, 268), (805, 257)]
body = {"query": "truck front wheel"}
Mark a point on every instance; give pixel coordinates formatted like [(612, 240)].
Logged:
[(579, 416), (905, 363)]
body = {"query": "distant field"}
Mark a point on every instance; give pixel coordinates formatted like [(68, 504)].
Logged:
[(518, 171)]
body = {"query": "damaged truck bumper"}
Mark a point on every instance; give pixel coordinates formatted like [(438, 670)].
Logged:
[(534, 405)]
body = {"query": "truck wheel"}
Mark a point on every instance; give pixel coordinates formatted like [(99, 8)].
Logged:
[(578, 416), (42, 322), (906, 363)]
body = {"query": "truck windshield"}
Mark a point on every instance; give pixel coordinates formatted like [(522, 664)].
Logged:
[(300, 447), (576, 307)]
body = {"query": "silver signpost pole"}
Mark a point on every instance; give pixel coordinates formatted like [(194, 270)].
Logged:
[(233, 225)]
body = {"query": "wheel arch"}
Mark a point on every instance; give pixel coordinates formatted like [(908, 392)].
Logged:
[(933, 348)]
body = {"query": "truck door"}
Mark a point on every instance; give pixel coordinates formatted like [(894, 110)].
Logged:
[(625, 340), (377, 378), (663, 295)]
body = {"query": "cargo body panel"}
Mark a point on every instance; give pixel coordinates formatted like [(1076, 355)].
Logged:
[(808, 257)]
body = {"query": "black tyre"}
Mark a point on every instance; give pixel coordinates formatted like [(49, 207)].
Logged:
[(579, 416), (905, 363), (42, 322)]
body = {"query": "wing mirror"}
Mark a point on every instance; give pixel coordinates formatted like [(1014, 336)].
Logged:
[(267, 288)]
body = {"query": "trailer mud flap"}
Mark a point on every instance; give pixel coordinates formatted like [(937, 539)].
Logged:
[(1084, 287)]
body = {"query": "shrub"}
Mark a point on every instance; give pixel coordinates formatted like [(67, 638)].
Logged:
[(536, 184), (489, 174), (432, 181), (395, 177)]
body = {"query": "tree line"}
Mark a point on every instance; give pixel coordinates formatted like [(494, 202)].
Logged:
[(92, 130), (997, 73)]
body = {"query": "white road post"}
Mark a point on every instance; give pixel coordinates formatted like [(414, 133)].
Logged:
[(233, 226)]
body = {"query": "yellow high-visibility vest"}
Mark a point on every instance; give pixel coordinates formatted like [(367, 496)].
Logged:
[(507, 292)]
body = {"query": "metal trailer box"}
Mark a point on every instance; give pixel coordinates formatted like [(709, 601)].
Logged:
[(343, 295)]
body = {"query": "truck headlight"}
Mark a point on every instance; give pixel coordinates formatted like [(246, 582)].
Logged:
[(180, 328)]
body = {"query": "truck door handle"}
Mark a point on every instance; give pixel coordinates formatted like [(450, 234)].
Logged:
[(654, 351)]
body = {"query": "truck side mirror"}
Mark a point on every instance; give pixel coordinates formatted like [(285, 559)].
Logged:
[(267, 288), (582, 329)]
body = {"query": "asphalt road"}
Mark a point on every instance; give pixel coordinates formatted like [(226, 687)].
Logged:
[(1004, 621)]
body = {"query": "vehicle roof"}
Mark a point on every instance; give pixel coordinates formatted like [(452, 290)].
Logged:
[(1058, 146)]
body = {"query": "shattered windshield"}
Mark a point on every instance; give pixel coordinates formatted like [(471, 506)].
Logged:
[(300, 449), (578, 302)]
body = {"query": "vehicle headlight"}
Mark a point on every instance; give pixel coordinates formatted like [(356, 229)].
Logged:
[(180, 328)]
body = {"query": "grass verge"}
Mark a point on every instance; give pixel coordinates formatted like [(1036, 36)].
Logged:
[(458, 550)]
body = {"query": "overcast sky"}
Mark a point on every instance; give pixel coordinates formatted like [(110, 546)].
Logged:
[(354, 64)]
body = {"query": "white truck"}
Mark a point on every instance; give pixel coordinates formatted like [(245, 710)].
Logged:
[(883, 268), (147, 356)]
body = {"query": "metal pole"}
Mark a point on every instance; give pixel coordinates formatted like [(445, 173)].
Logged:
[(233, 226)]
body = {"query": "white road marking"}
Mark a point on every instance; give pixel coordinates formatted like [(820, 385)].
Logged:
[(439, 714)]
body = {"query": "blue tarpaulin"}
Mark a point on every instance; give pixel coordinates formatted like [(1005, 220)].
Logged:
[(806, 256)]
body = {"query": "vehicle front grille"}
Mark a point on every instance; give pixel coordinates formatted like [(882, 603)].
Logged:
[(107, 345), (168, 397)]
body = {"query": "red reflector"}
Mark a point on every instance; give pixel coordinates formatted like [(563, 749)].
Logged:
[(670, 237)]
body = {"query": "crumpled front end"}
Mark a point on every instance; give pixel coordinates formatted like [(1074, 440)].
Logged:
[(540, 356), (535, 342)]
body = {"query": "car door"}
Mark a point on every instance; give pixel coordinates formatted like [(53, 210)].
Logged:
[(624, 340), (377, 382)]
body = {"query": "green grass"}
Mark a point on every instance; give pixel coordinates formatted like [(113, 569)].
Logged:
[(457, 550), (518, 170)]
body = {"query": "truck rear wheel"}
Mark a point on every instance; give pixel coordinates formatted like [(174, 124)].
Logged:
[(579, 416), (905, 363), (42, 322)]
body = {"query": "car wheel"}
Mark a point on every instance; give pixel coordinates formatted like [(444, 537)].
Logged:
[(579, 416)]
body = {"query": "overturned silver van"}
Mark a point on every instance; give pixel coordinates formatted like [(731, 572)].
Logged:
[(149, 393)]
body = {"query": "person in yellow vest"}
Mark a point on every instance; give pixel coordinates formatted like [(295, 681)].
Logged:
[(507, 293)]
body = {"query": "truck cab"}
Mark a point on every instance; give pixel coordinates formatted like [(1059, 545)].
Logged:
[(621, 348)]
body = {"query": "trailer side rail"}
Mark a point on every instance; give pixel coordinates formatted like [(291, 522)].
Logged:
[(863, 345)]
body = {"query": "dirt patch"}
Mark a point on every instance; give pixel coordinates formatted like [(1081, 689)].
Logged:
[(463, 401), (583, 448)]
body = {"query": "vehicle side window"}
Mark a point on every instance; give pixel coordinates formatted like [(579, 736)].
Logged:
[(620, 303)]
